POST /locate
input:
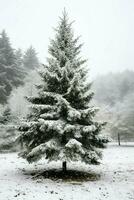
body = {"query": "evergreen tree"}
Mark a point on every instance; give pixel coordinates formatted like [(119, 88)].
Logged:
[(30, 59), (60, 125), (19, 58), (20, 69), (10, 74)]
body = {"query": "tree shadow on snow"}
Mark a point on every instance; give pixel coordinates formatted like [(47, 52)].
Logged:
[(68, 176)]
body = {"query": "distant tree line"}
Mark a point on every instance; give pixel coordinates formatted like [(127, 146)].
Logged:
[(14, 66), (114, 93)]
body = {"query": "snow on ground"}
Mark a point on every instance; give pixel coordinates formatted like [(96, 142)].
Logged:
[(116, 181)]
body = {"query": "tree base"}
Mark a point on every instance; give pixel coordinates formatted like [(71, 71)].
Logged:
[(64, 166)]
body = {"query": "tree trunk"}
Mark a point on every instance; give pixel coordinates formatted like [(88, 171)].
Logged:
[(119, 139), (64, 166), (21, 144)]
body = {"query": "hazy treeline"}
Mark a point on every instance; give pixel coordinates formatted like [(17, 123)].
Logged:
[(114, 93), (14, 66)]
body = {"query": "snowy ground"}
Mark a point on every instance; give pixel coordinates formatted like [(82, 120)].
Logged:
[(116, 181)]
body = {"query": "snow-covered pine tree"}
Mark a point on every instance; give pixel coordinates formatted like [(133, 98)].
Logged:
[(61, 124)]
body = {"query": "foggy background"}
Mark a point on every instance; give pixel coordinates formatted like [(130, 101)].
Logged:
[(106, 27)]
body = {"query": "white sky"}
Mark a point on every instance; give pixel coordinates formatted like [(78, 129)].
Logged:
[(106, 27)]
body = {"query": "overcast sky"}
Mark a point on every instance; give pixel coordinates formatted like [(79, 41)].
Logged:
[(106, 27)]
